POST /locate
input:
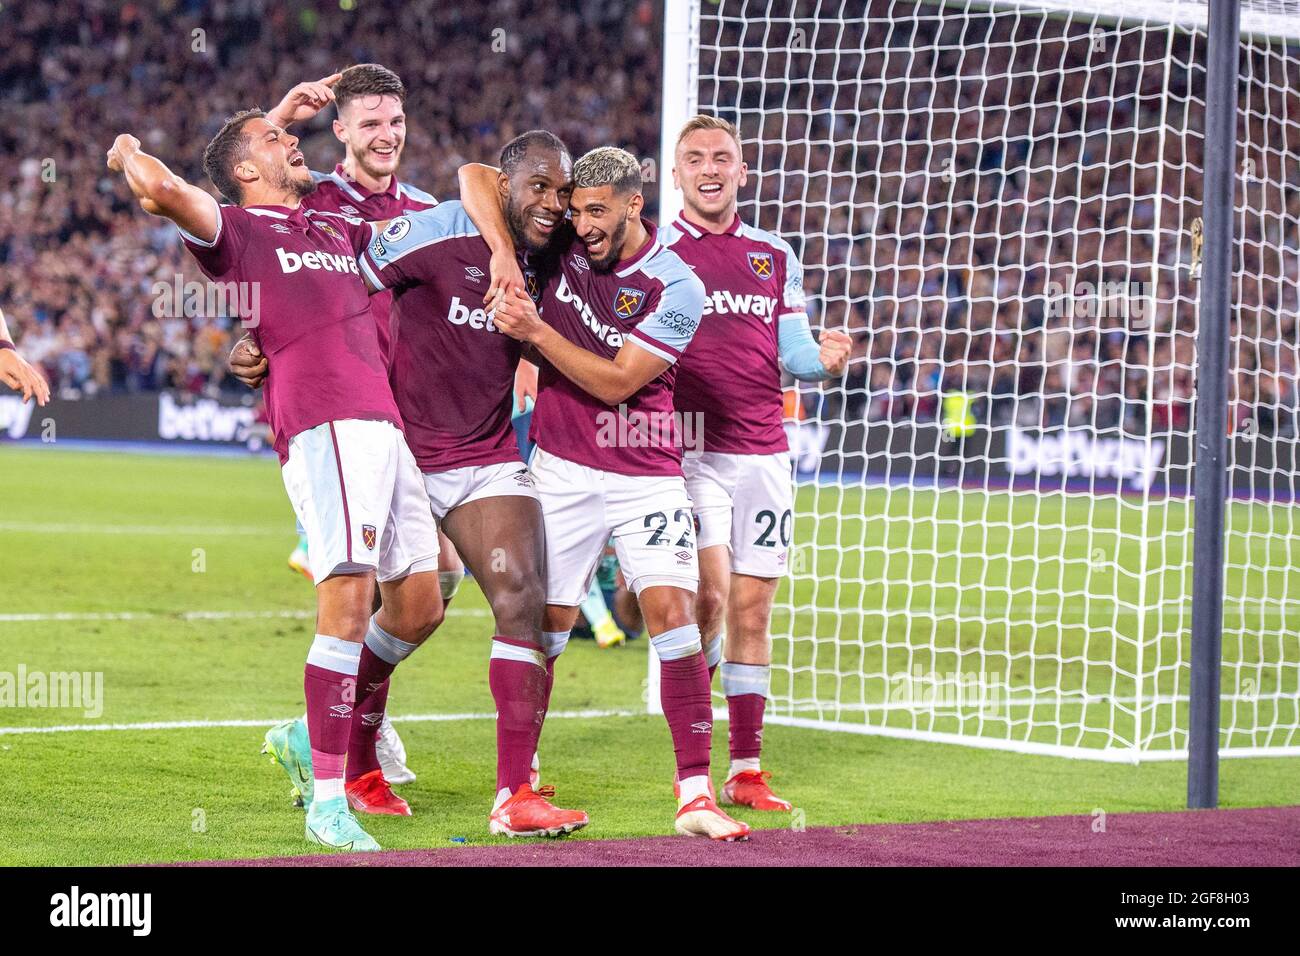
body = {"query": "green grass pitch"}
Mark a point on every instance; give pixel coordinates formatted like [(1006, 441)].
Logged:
[(167, 575)]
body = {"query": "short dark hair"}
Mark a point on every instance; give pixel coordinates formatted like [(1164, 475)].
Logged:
[(513, 152), (367, 79), (229, 147)]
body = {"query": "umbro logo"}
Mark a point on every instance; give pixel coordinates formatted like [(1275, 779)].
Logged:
[(524, 478), (684, 557), (702, 727), (281, 228), (341, 710), (350, 210), (473, 273), (581, 263), (372, 720)]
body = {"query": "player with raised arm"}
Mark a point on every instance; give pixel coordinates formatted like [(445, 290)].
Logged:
[(353, 482), (370, 102), (17, 372), (754, 322), (453, 375), (620, 309)]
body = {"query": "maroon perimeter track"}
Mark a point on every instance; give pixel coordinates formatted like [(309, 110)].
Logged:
[(1268, 836)]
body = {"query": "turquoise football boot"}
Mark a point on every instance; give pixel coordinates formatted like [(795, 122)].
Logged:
[(330, 823), (289, 746)]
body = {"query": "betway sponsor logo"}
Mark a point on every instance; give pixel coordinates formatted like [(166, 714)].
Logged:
[(724, 302), (291, 262), (15, 415), (1083, 454), (606, 333), (205, 420), (461, 314)]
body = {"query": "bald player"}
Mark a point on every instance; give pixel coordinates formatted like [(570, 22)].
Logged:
[(619, 311), (755, 322)]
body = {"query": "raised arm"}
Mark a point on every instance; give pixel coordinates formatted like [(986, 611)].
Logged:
[(303, 102), (610, 380), (161, 192), (480, 194)]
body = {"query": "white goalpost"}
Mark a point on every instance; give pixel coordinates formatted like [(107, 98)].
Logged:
[(1001, 202)]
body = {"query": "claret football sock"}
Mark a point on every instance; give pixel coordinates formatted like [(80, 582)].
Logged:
[(746, 687), (380, 655), (329, 685), (517, 677), (684, 696)]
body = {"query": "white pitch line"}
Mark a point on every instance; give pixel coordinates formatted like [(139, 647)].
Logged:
[(143, 529), (204, 724), (36, 618)]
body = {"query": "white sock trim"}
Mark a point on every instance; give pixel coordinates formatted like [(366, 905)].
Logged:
[(680, 642), (713, 652), (692, 788), (501, 651), (449, 583), (554, 642), (333, 654), (327, 789), (387, 647), (743, 764), (739, 679)]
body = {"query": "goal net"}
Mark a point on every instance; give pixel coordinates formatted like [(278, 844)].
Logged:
[(1000, 201)]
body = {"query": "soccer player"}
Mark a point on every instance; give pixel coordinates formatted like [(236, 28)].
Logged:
[(730, 380), (17, 372), (353, 482), (620, 310), (369, 100), (453, 376)]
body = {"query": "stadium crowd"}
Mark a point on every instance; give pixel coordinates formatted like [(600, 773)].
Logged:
[(935, 203), (79, 263)]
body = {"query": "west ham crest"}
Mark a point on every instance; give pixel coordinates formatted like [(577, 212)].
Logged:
[(530, 285), (627, 302), (761, 263), (368, 536)]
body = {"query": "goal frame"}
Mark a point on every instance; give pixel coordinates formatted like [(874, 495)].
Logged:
[(680, 100)]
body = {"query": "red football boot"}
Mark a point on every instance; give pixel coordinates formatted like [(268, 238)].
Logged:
[(749, 789), (370, 793), (526, 813), (702, 817)]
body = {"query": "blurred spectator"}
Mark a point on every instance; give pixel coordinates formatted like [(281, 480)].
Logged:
[(994, 201), (79, 260)]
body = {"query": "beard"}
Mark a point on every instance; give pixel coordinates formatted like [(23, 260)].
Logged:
[(615, 248), (295, 187), (518, 223)]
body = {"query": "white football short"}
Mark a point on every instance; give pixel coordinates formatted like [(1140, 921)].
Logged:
[(649, 518), (459, 486), (747, 503), (359, 494)]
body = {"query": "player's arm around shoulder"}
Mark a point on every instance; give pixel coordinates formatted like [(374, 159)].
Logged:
[(392, 258), (480, 192), (162, 193)]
